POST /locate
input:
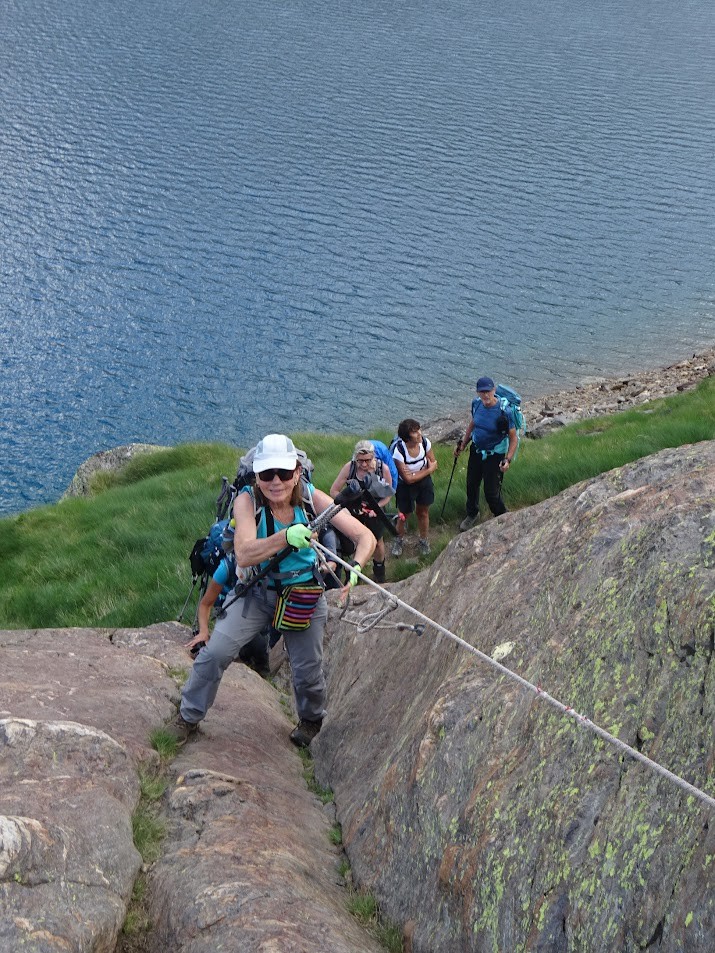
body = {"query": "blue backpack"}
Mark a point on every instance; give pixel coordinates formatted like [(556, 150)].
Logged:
[(208, 551), (382, 452), (509, 398)]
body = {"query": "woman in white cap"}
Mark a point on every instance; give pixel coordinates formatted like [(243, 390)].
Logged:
[(270, 517)]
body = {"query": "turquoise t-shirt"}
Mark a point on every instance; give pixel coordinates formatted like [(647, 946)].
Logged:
[(299, 563), (225, 572)]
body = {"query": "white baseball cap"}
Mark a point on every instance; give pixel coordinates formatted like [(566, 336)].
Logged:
[(275, 451)]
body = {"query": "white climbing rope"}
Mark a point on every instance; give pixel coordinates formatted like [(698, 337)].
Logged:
[(392, 603)]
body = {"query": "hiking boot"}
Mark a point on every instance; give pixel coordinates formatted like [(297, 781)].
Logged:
[(424, 547), (304, 732), (396, 546), (378, 570), (468, 522), (181, 730)]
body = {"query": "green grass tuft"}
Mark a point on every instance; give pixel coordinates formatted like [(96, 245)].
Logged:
[(180, 675), (364, 907), (324, 794), (163, 743), (149, 832), (152, 786)]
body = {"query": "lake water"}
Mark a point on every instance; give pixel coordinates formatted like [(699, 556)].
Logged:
[(225, 218)]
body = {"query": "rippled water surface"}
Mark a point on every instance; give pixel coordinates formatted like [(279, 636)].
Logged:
[(223, 218)]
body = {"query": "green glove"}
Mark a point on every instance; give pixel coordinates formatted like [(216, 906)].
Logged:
[(298, 536), (353, 579)]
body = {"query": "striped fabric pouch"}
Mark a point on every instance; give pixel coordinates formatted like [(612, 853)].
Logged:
[(295, 607)]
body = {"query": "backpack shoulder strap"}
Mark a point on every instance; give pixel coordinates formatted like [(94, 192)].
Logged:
[(307, 501)]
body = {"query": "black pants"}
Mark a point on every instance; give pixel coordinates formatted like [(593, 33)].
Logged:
[(486, 469)]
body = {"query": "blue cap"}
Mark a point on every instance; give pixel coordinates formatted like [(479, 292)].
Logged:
[(485, 383)]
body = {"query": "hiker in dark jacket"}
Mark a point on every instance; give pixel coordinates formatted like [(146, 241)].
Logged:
[(491, 434), (364, 463), (268, 518)]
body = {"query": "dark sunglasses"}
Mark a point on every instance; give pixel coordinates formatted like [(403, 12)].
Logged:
[(266, 476)]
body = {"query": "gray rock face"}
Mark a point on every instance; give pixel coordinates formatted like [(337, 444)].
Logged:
[(77, 706), (105, 460), (248, 862), (481, 817), (67, 860)]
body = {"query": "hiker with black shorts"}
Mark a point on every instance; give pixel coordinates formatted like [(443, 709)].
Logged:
[(363, 466), (270, 520), (491, 434), (415, 461)]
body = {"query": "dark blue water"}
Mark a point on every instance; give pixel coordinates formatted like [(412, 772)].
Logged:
[(224, 218)]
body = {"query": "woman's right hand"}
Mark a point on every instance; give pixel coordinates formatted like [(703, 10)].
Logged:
[(201, 637)]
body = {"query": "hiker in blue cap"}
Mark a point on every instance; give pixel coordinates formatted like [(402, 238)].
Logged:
[(491, 431)]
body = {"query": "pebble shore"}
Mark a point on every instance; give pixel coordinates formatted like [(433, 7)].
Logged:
[(593, 399)]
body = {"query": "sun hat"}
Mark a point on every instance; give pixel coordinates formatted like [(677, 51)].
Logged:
[(485, 383), (275, 450)]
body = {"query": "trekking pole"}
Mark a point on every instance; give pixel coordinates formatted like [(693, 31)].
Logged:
[(454, 467), (351, 492), (191, 592), (379, 512)]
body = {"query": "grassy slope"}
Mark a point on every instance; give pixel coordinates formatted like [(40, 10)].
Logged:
[(119, 558)]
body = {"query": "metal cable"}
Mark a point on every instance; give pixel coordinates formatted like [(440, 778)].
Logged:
[(581, 720)]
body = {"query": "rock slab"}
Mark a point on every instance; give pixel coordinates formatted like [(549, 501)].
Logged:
[(248, 863), (483, 818), (67, 859)]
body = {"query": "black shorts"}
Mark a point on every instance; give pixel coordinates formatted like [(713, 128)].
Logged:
[(407, 494)]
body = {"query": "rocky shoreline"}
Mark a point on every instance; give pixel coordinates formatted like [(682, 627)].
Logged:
[(543, 414), (593, 399)]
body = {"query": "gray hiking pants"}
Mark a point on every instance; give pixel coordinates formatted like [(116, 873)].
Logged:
[(244, 619)]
